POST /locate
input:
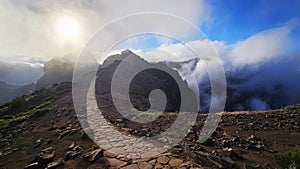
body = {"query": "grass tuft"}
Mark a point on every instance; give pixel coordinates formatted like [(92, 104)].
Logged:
[(290, 160)]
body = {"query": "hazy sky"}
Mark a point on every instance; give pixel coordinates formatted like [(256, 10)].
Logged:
[(30, 27), (244, 32)]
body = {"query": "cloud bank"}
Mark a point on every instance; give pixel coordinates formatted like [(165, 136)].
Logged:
[(20, 73), (29, 27), (262, 71)]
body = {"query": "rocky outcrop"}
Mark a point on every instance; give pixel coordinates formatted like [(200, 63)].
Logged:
[(56, 70)]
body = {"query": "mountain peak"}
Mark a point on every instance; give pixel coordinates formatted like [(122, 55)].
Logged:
[(127, 52), (118, 57)]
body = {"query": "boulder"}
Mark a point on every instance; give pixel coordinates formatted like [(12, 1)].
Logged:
[(93, 155), (163, 160), (46, 156), (34, 165), (73, 153), (55, 164)]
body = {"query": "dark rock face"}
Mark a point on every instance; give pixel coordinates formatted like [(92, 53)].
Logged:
[(151, 79), (56, 70), (155, 76), (141, 85)]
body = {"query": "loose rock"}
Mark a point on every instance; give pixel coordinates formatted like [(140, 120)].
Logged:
[(55, 164), (93, 155)]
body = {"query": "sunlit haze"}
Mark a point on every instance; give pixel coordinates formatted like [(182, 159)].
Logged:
[(68, 28)]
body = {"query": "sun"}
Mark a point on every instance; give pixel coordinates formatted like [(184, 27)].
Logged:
[(68, 28)]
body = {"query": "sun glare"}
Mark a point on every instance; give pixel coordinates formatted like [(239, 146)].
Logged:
[(68, 28)]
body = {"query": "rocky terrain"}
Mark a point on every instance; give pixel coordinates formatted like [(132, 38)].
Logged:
[(55, 139), (42, 130)]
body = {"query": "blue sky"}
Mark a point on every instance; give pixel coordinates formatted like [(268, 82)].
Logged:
[(236, 20)]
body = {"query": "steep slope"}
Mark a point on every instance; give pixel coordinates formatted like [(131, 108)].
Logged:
[(27, 106)]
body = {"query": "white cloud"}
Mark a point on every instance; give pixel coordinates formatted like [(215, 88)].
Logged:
[(28, 26), (261, 47), (269, 45), (263, 52), (20, 73), (262, 69)]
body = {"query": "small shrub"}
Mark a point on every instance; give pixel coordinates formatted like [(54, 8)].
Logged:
[(290, 160), (36, 113), (293, 107), (207, 140), (18, 120), (145, 114), (162, 115), (198, 124), (3, 123), (6, 121), (120, 126)]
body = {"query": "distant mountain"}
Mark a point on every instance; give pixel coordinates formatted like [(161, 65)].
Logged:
[(56, 70), (9, 91), (20, 72)]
